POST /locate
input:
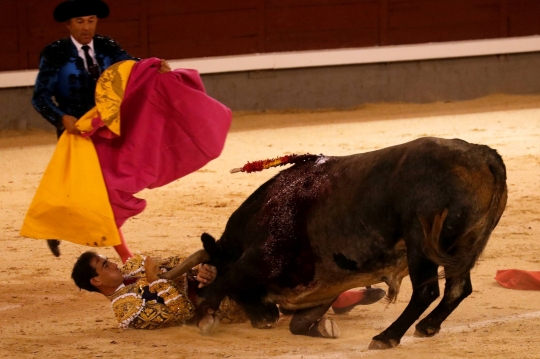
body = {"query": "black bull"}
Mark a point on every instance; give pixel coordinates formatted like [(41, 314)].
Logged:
[(334, 223)]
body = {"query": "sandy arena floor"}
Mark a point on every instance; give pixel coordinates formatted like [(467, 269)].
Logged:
[(42, 313)]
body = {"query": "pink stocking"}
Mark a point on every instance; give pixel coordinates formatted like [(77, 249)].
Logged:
[(122, 249)]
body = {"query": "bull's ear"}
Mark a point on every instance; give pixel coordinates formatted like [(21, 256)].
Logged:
[(209, 243), (207, 238)]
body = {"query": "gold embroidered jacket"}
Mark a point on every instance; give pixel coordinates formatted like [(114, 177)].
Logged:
[(143, 305)]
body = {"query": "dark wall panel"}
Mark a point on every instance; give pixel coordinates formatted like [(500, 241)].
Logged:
[(9, 10), (303, 3), (122, 10), (523, 17), (203, 34), (7, 44), (176, 7), (322, 26), (9, 41), (422, 21), (126, 32), (9, 62)]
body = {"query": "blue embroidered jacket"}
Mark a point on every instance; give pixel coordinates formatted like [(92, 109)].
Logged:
[(62, 76)]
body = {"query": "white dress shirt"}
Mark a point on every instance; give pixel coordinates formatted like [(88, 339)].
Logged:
[(81, 51)]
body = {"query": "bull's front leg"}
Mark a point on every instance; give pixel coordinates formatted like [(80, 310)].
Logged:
[(207, 313), (261, 315)]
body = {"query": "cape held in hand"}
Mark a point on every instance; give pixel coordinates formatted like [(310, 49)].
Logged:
[(147, 129)]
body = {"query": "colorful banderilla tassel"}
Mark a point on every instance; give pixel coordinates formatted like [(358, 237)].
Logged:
[(257, 166)]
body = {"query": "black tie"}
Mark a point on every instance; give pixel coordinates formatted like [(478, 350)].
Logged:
[(92, 68)]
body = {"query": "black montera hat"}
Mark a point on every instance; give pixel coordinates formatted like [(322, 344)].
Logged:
[(76, 8)]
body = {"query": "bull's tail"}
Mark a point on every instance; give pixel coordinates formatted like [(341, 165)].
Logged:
[(462, 256), (432, 248)]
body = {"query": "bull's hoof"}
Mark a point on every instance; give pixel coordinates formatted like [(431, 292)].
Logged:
[(380, 345), (425, 332), (208, 324), (262, 325), (328, 328), (264, 316)]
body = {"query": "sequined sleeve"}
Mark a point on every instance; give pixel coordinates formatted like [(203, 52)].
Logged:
[(173, 297), (175, 309), (153, 305), (44, 91), (135, 308), (134, 267)]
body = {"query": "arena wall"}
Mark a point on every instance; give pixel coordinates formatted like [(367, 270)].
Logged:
[(339, 86), (257, 28)]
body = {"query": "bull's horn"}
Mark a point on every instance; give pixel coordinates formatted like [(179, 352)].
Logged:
[(196, 258)]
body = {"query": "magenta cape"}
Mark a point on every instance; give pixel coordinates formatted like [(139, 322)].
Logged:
[(518, 279), (170, 127)]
